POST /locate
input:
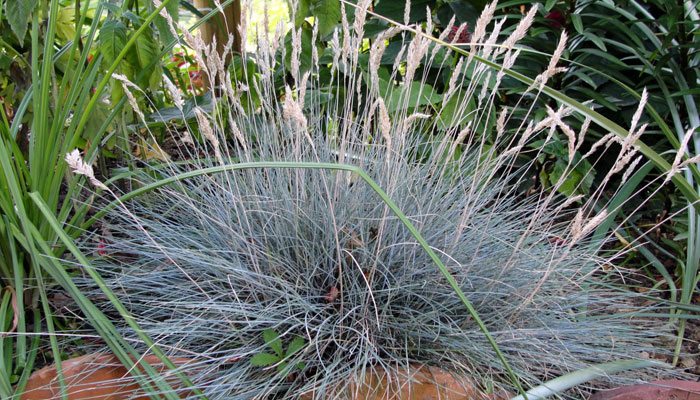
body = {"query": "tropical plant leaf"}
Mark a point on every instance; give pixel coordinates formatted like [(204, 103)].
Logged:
[(133, 18), (17, 12), (161, 24), (144, 52), (458, 105), (549, 5), (306, 49), (419, 94), (302, 11), (112, 39), (578, 24), (65, 24), (579, 179), (113, 8), (465, 11), (145, 49), (327, 13), (395, 9), (150, 151)]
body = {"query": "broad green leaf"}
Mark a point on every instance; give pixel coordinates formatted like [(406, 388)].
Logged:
[(155, 79), (144, 52), (17, 13), (584, 77), (595, 95), (147, 151), (282, 366), (129, 70), (301, 12), (579, 173), (419, 94), (65, 24), (98, 115), (116, 94), (374, 27), (263, 359), (465, 11), (392, 52), (578, 179), (173, 10), (457, 111), (133, 18), (146, 49), (327, 13), (596, 40), (306, 49), (112, 39), (250, 69), (174, 114), (439, 58), (293, 347), (272, 339), (113, 8), (395, 9), (320, 97)]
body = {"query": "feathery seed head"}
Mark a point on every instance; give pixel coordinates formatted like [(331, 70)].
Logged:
[(80, 167)]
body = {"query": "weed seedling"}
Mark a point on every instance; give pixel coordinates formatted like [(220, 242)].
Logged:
[(272, 340)]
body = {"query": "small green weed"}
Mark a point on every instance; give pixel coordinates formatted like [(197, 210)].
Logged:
[(272, 340)]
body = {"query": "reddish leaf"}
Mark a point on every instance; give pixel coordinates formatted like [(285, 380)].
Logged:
[(556, 19), (332, 295)]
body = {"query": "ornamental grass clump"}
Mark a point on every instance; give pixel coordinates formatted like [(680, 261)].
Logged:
[(229, 265)]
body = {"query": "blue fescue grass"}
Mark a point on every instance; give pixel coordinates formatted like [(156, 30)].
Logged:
[(228, 256), (206, 265)]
